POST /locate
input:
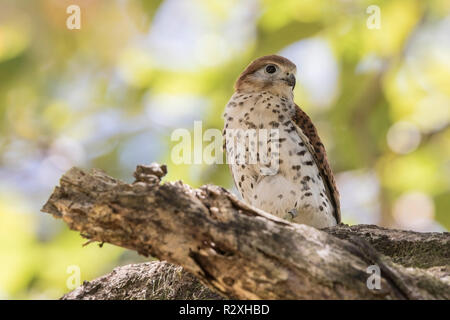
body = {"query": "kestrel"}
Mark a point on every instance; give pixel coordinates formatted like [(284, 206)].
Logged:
[(263, 117)]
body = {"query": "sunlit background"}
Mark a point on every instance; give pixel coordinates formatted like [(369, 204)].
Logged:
[(110, 94)]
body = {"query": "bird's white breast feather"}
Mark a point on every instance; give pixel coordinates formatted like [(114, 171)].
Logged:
[(298, 184)]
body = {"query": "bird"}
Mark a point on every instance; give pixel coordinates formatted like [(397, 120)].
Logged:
[(276, 158)]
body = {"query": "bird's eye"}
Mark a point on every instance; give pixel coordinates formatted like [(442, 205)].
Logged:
[(271, 68)]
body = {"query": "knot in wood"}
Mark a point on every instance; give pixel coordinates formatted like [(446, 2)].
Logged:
[(150, 173)]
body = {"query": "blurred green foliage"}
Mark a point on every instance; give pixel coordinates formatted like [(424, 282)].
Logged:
[(110, 94)]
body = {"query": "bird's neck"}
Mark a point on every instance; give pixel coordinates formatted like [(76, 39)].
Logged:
[(281, 92)]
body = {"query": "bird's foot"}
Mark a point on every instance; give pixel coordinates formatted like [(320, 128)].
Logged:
[(291, 214)]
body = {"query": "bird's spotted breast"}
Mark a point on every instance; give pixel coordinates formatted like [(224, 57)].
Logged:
[(296, 188)]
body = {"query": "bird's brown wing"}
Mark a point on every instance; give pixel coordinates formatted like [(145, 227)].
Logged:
[(317, 149)]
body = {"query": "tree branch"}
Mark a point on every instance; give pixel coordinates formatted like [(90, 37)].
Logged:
[(241, 252), (144, 281)]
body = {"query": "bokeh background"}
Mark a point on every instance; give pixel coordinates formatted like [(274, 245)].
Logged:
[(110, 94)]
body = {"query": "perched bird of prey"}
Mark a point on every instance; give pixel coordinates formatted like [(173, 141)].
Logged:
[(294, 181)]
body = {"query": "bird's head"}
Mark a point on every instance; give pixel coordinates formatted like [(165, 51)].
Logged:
[(272, 73)]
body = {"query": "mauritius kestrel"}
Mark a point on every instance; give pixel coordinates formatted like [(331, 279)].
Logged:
[(302, 187)]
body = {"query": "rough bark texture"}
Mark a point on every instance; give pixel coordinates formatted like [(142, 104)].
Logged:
[(241, 252), (144, 281)]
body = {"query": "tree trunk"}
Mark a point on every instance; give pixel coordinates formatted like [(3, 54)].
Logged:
[(239, 251)]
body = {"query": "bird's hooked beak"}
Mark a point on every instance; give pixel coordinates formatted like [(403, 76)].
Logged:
[(290, 79)]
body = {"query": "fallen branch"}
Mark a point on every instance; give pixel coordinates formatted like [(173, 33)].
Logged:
[(241, 252)]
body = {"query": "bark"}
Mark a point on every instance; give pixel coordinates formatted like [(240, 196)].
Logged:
[(144, 281), (242, 252)]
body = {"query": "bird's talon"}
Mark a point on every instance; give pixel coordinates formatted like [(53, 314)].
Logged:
[(291, 214)]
